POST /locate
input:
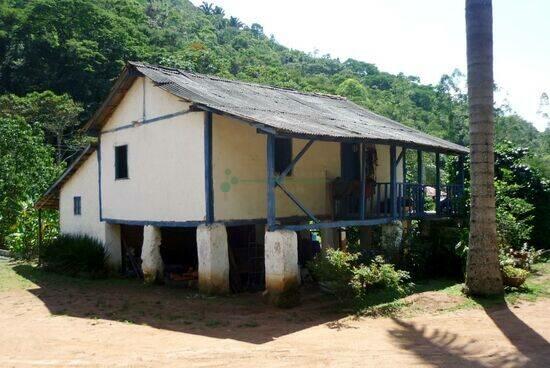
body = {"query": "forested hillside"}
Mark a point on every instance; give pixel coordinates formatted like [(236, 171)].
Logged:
[(58, 58)]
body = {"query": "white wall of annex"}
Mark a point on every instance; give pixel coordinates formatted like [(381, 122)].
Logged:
[(165, 159)]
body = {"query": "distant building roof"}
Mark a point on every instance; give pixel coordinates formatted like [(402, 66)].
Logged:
[(279, 110)]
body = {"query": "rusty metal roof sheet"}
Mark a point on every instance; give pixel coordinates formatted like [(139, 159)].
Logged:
[(289, 111)]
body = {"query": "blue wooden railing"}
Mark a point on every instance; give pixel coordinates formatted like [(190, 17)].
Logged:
[(413, 201)]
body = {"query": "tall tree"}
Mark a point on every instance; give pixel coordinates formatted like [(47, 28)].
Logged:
[(483, 275)]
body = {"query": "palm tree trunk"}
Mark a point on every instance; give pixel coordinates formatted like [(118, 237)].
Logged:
[(483, 275)]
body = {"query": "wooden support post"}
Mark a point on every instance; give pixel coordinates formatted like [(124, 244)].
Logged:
[(437, 183), (420, 174), (393, 182), (209, 186), (39, 234), (404, 151), (363, 178), (270, 182), (461, 171)]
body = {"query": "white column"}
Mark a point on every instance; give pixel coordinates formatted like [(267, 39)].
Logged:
[(113, 246), (282, 273), (213, 257), (151, 264)]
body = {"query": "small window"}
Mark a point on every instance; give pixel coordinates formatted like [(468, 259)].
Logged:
[(121, 162), (283, 154), (77, 203)]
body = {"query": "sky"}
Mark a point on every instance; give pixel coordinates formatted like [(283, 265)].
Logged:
[(425, 38)]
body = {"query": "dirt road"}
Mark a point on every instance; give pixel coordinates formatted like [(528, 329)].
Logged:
[(108, 325)]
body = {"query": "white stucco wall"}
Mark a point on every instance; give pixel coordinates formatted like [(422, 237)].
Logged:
[(84, 184), (165, 159)]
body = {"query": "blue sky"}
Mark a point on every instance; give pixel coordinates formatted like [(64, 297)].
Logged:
[(425, 38)]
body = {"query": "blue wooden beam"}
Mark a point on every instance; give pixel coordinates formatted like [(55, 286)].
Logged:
[(363, 178), (99, 178), (208, 183), (437, 182), (298, 203), (336, 224), (393, 182), (404, 155), (419, 175), (282, 176), (271, 182)]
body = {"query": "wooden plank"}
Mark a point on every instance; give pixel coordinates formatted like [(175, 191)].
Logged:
[(289, 168), (363, 179), (271, 181), (336, 224), (437, 183), (298, 203), (209, 186), (393, 182)]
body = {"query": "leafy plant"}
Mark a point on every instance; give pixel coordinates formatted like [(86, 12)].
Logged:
[(339, 272), (75, 255)]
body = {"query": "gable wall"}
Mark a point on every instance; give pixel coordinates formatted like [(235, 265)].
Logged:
[(165, 159)]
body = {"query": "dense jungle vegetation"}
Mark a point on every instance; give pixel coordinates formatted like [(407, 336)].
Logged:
[(58, 59)]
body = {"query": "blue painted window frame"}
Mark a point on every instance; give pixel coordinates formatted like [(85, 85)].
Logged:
[(77, 205), (121, 162)]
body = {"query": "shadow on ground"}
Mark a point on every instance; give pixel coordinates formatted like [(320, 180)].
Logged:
[(244, 317), (442, 348)]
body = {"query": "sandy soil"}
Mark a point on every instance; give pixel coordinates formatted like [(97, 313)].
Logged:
[(94, 325)]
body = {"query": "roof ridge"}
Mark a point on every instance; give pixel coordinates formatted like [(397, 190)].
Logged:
[(236, 81)]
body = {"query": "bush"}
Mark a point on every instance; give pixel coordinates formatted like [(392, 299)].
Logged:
[(74, 255), (340, 273)]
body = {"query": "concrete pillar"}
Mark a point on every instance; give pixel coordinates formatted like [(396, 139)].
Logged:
[(391, 236), (282, 273), (213, 259), (151, 261), (113, 246), (329, 238)]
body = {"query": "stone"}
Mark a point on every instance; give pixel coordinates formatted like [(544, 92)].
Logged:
[(151, 260), (213, 255), (282, 273)]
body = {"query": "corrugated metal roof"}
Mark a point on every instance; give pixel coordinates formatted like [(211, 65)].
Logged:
[(288, 111)]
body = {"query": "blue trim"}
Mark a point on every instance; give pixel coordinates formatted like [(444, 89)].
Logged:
[(147, 121), (208, 180), (99, 178), (419, 174), (294, 161), (393, 182), (154, 223), (270, 181), (404, 153), (437, 182), (335, 224), (363, 179), (298, 203)]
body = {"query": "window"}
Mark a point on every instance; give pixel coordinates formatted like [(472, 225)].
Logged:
[(283, 154), (121, 162), (77, 202)]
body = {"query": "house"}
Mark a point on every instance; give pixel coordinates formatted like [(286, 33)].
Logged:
[(198, 174)]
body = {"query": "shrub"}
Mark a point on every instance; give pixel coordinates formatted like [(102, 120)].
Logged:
[(340, 272), (378, 275), (74, 255)]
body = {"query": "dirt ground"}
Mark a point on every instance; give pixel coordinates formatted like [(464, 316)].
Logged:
[(52, 322)]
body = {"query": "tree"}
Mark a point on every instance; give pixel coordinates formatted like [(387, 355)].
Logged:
[(26, 169), (483, 275), (57, 115)]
